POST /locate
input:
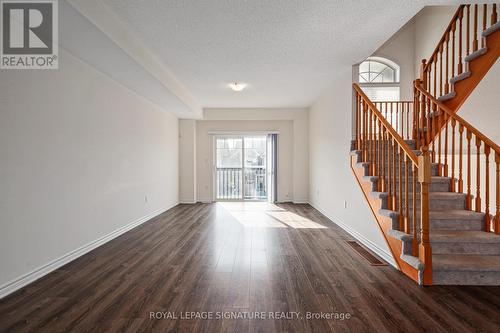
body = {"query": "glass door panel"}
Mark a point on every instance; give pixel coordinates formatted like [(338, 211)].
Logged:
[(254, 182), (229, 168)]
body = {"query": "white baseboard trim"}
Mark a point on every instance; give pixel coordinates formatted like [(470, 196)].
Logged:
[(187, 201), (34, 275), (301, 202), (386, 255)]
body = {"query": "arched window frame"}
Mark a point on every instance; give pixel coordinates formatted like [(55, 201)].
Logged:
[(391, 85)]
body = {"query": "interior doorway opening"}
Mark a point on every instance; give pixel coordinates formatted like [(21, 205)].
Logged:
[(245, 167)]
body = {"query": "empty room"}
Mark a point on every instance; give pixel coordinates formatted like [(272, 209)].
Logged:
[(249, 166)]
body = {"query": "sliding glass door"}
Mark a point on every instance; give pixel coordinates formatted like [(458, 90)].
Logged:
[(240, 172)]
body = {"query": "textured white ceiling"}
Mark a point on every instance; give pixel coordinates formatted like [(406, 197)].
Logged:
[(287, 51)]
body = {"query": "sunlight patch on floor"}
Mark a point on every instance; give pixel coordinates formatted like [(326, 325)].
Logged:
[(267, 215)]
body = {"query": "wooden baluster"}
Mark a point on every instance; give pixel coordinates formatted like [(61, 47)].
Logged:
[(445, 143), (428, 116), (453, 123), (429, 78), (468, 203), (435, 74), (460, 16), (400, 198), (384, 160), (494, 14), (394, 196), (425, 253), (389, 172), (358, 122), (392, 124), (439, 132), (414, 208), (453, 50), (460, 154), (381, 155), (397, 117), (485, 9), (440, 69), (447, 78), (474, 41), (375, 143), (496, 221), (408, 119), (487, 220), (362, 134), (467, 35), (407, 190), (478, 174), (416, 117), (365, 132), (401, 117), (370, 140)]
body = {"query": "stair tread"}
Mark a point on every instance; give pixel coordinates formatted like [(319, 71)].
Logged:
[(464, 236), (446, 97), (495, 27), (445, 195), (440, 179), (465, 262), (455, 214), (476, 54), (460, 77)]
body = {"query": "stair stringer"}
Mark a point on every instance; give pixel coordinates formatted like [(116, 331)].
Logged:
[(478, 67), (385, 223)]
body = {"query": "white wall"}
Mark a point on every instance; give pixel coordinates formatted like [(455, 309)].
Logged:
[(293, 164), (430, 24), (78, 155), (399, 49), (187, 160), (482, 109), (331, 179)]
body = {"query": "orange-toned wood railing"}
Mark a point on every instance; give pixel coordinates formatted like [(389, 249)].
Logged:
[(398, 169), (462, 153), (462, 37), (399, 114)]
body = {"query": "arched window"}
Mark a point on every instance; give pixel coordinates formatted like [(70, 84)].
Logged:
[(379, 79)]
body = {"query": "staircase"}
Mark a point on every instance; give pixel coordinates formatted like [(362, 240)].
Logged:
[(432, 180), (467, 50)]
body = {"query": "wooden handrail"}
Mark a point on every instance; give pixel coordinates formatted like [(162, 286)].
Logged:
[(443, 38), (387, 126), (460, 120)]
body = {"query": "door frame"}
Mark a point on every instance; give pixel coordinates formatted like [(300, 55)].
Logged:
[(217, 134)]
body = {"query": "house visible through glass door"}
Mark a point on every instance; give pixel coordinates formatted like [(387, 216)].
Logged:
[(241, 168)]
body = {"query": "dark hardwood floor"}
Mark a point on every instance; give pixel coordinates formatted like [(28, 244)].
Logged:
[(238, 259)]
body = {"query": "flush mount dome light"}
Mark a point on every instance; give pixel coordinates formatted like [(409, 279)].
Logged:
[(237, 86)]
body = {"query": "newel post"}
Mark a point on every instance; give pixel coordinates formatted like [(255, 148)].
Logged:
[(424, 178), (423, 74)]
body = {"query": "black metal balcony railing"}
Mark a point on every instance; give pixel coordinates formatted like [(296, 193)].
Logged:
[(255, 183), (229, 183)]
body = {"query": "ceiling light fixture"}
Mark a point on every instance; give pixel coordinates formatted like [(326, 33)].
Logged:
[(237, 86)]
